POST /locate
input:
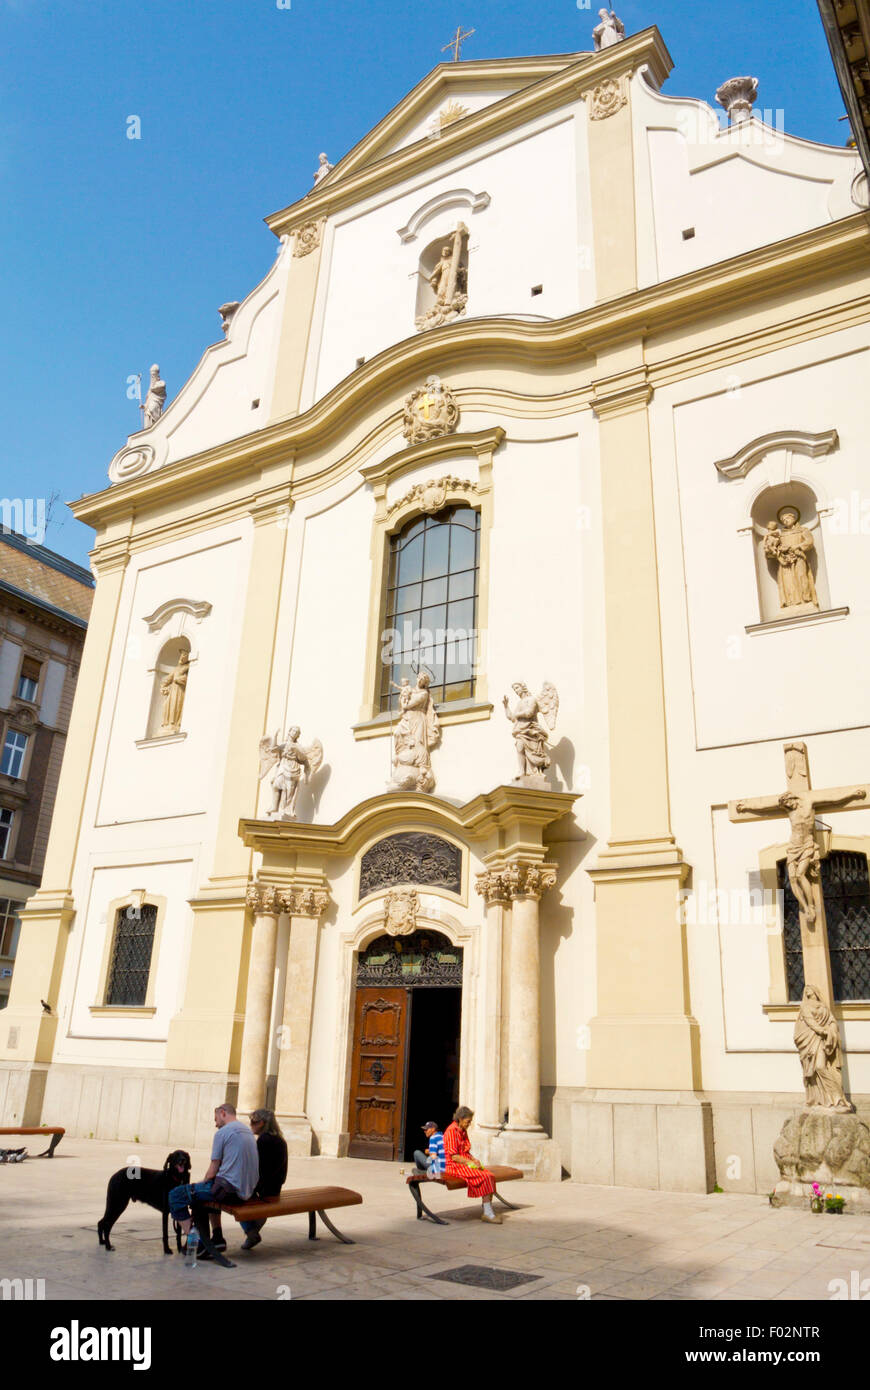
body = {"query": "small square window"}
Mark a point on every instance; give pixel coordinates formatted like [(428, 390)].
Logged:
[(688, 233), (537, 289)]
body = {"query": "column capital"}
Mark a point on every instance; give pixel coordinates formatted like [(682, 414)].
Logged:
[(263, 899), (516, 879), (304, 902)]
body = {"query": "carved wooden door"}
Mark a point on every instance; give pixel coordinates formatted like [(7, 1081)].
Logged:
[(378, 1073)]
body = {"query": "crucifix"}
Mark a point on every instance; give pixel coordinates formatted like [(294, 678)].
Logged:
[(457, 41), (803, 858)]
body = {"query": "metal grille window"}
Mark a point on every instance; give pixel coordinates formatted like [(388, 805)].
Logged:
[(432, 605), (13, 753), (6, 819), (846, 892), (131, 956)]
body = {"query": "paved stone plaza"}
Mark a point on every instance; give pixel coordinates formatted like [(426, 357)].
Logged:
[(617, 1243)]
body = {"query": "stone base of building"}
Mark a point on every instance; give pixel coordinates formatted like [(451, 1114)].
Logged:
[(531, 1150), (140, 1106), (299, 1135), (653, 1139)]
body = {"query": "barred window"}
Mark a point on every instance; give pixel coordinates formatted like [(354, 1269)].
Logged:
[(131, 955), (432, 605), (846, 893)]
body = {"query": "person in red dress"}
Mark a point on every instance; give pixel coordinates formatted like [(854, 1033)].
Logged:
[(461, 1163)]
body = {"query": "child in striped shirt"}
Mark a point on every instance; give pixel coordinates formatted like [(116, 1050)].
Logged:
[(431, 1161)]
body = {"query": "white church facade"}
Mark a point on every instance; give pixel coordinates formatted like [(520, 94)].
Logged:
[(558, 383)]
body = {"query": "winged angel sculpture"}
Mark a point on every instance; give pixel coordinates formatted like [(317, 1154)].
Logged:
[(292, 763), (530, 735)]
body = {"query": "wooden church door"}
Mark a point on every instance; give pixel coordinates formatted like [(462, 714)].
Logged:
[(380, 1037)]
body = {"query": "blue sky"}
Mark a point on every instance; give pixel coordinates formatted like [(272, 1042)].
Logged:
[(117, 252)]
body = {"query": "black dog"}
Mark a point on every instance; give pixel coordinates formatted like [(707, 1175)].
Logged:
[(149, 1185)]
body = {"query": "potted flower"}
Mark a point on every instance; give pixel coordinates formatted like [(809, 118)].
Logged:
[(834, 1204), (816, 1201)]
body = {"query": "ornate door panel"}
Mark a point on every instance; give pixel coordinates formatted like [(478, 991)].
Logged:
[(378, 1073)]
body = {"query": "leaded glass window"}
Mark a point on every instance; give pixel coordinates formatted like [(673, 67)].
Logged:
[(131, 956), (431, 613), (846, 892)]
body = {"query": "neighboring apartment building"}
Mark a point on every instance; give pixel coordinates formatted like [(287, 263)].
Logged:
[(45, 601)]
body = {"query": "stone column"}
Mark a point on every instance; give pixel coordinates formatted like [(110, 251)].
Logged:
[(527, 882), (304, 907), (493, 888), (265, 904)]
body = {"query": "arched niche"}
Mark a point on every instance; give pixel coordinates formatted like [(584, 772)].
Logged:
[(769, 524), (170, 706)]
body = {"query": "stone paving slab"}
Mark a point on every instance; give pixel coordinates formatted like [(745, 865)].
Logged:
[(580, 1241)]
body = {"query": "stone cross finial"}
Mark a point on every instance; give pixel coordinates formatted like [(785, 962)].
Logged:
[(737, 95)]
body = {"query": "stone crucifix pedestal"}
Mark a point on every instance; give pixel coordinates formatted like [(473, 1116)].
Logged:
[(824, 1142)]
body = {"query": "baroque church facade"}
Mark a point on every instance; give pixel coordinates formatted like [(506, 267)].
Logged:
[(457, 628)]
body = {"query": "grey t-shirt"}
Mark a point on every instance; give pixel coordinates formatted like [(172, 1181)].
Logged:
[(235, 1148)]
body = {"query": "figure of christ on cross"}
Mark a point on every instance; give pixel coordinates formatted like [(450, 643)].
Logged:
[(801, 805)]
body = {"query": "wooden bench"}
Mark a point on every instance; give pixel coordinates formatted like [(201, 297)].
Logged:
[(418, 1180), (56, 1132), (293, 1201)]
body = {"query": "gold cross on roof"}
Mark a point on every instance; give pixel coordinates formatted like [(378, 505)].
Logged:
[(457, 41)]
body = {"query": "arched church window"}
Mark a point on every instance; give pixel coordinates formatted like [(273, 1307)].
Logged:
[(789, 558), (169, 689), (846, 892), (442, 280), (132, 949), (431, 611)]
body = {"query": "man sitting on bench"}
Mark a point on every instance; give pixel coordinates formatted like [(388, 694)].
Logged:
[(230, 1177)]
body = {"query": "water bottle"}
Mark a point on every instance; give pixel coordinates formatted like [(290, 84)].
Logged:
[(191, 1248)]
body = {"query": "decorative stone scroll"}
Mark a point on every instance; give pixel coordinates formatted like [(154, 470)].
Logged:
[(308, 237), (515, 880), (432, 495), (412, 858), (430, 412), (425, 960), (607, 98), (132, 463)]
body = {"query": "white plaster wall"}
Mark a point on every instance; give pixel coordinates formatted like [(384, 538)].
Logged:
[(528, 235), (734, 699), (420, 128), (179, 777), (738, 186)]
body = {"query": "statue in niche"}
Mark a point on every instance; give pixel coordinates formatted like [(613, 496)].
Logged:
[(155, 400), (530, 735), (417, 733), (173, 689), (817, 1039), (449, 280), (791, 547), (323, 168), (292, 763), (608, 31)]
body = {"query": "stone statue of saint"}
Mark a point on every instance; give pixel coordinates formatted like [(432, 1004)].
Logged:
[(530, 735), (292, 763), (173, 690), (449, 280), (155, 400), (322, 170), (791, 548), (817, 1039), (417, 732), (608, 31), (442, 280)]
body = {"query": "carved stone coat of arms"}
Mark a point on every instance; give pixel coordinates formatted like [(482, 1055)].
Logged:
[(430, 412), (400, 911)]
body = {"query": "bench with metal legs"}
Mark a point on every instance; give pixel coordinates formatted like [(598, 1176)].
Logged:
[(417, 1180)]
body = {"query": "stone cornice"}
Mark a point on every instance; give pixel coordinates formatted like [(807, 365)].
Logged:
[(480, 443), (821, 253), (362, 172)]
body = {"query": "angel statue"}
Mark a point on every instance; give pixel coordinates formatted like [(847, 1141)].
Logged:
[(608, 31), (292, 762), (530, 736)]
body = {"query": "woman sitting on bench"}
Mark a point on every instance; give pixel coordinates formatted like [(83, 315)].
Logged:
[(461, 1163), (272, 1155)]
